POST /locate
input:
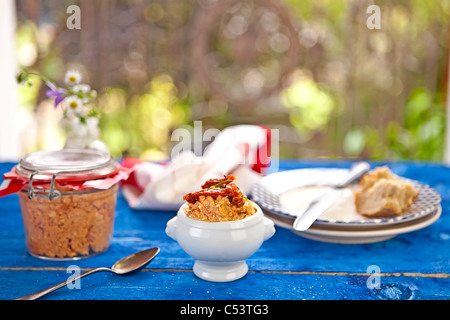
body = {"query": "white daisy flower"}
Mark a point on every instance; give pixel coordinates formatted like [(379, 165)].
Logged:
[(72, 77), (84, 88), (73, 105)]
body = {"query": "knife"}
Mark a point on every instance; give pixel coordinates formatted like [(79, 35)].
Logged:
[(326, 200)]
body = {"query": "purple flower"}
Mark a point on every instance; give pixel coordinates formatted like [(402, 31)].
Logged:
[(58, 93)]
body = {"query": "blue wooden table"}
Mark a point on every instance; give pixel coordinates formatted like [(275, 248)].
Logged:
[(414, 265)]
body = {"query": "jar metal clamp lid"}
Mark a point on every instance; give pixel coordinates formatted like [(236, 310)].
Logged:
[(70, 165)]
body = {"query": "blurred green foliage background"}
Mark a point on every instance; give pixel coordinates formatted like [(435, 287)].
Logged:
[(312, 69)]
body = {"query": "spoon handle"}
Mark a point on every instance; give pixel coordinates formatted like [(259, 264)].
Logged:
[(41, 293)]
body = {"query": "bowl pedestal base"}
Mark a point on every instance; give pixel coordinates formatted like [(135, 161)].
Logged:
[(220, 271)]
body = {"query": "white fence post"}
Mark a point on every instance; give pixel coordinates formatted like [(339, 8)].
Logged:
[(447, 117), (10, 146)]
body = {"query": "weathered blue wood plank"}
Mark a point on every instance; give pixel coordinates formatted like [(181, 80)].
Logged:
[(173, 285), (425, 250)]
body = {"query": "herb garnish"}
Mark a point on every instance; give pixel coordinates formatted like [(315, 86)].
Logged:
[(220, 183)]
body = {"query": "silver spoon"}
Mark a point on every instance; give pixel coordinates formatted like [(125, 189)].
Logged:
[(127, 265)]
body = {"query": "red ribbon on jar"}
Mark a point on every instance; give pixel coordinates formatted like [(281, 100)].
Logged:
[(70, 168)]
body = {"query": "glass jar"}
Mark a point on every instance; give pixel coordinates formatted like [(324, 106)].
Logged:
[(61, 220)]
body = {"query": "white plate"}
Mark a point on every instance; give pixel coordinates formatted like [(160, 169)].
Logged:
[(288, 193), (362, 235)]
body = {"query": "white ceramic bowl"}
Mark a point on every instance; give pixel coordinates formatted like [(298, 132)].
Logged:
[(220, 248)]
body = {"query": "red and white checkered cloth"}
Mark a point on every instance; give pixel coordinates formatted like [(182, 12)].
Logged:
[(243, 151)]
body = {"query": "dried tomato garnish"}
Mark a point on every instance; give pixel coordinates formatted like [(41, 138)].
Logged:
[(218, 187), (212, 183)]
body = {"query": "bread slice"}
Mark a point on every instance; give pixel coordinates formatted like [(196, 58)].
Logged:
[(383, 194)]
